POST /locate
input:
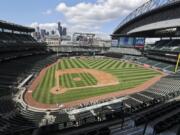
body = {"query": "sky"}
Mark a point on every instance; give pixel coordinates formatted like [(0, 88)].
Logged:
[(97, 16)]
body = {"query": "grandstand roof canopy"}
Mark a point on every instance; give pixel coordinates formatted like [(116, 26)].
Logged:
[(146, 8), (15, 27), (136, 24), (169, 28), (160, 29)]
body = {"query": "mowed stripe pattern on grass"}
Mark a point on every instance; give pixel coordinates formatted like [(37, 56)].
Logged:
[(69, 80), (41, 93), (128, 74)]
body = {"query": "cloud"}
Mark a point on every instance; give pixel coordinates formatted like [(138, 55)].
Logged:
[(47, 26), (91, 16), (47, 12)]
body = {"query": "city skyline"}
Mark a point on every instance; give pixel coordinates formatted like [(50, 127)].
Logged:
[(97, 16)]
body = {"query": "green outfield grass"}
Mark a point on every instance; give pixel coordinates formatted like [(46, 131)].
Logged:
[(129, 76)]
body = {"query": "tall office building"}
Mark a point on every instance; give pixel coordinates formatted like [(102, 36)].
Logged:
[(60, 29), (64, 31), (43, 33), (53, 32), (38, 34)]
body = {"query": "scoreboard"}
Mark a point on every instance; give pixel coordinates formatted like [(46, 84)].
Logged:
[(129, 42)]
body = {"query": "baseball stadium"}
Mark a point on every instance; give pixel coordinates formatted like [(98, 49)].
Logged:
[(88, 86)]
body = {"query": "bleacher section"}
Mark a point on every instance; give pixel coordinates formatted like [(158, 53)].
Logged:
[(164, 66), (10, 77), (6, 105), (154, 120), (166, 45), (21, 69), (20, 56), (164, 50), (131, 51), (14, 123), (14, 46)]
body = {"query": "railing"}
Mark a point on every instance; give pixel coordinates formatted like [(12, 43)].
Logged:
[(146, 7)]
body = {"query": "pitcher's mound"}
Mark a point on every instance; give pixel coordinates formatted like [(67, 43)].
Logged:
[(103, 79)]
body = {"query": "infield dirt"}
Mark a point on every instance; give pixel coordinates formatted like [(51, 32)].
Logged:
[(103, 79)]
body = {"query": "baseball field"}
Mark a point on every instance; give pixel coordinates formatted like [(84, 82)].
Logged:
[(72, 79)]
